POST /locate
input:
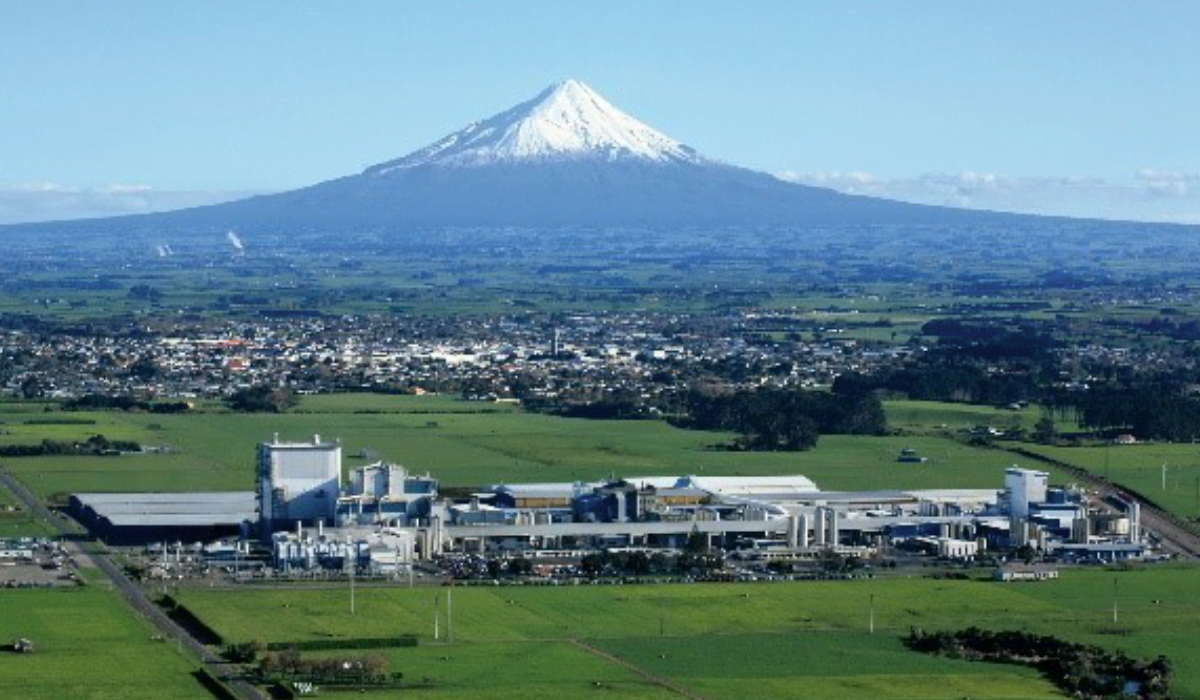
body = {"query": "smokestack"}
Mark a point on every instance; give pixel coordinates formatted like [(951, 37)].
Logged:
[(299, 530)]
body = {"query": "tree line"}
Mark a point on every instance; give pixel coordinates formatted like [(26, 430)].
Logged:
[(123, 402), (289, 665), (93, 446)]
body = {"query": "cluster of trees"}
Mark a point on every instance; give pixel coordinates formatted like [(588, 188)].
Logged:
[(971, 363), (1158, 326), (1081, 670), (618, 408), (1150, 411), (519, 566), (144, 292), (688, 562), (95, 445), (785, 419), (289, 665), (124, 402), (831, 563), (261, 399)]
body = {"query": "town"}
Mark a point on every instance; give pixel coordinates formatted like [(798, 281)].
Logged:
[(645, 359)]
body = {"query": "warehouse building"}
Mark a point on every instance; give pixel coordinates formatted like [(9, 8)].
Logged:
[(142, 518)]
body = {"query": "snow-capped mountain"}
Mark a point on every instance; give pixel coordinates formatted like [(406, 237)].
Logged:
[(567, 121), (565, 159)]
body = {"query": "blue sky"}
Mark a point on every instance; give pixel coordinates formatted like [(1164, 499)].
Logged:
[(1088, 106)]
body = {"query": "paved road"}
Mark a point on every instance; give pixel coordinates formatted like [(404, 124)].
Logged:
[(136, 597)]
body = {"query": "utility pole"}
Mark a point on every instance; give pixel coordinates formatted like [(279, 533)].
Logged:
[(449, 616), (1114, 600), (662, 619), (1164, 477), (872, 613), (353, 566), (436, 620)]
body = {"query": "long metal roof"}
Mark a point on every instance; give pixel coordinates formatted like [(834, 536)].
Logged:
[(171, 509)]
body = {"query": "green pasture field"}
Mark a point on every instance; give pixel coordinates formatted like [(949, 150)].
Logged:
[(18, 522), (821, 665), (936, 417), (1141, 467), (942, 418), (541, 670), (56, 478), (472, 444), (87, 647), (791, 640)]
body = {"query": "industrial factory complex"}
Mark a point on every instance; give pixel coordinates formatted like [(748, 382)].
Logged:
[(383, 519)]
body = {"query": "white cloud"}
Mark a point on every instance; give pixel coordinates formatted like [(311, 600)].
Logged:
[(1164, 183), (1151, 195), (50, 201), (118, 188)]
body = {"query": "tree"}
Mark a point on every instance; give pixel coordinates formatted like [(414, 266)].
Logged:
[(591, 565), (638, 564), (375, 665), (32, 387), (261, 399), (520, 566), (144, 368), (696, 543), (1045, 431), (144, 292)]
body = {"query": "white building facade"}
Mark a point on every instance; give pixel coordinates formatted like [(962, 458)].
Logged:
[(298, 482)]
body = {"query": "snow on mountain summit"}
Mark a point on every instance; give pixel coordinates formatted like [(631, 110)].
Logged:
[(567, 121)]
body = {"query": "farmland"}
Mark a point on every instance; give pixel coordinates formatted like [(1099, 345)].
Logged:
[(88, 646), (468, 443), (15, 521), (782, 640), (788, 640)]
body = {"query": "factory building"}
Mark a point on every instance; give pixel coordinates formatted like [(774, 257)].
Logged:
[(298, 482), (386, 516), (376, 552), (1023, 487), (385, 493)]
